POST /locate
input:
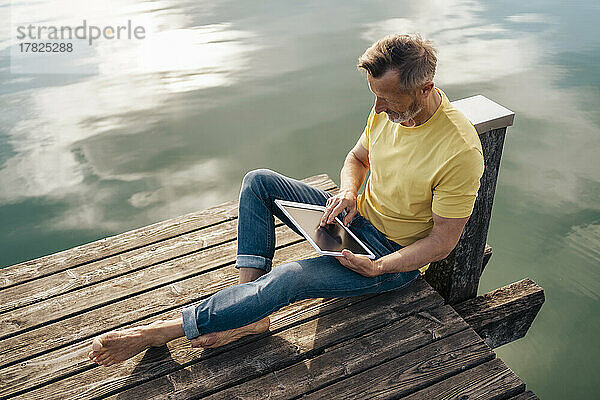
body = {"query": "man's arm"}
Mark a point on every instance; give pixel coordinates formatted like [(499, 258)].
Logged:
[(355, 169), (352, 177), (436, 246)]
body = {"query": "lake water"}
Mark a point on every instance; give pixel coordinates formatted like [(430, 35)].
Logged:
[(159, 127)]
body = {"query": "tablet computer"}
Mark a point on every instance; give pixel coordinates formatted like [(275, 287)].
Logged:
[(328, 240)]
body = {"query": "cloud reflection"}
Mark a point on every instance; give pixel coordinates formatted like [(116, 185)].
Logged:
[(132, 82)]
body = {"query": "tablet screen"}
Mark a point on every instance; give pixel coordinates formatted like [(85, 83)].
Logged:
[(332, 237)]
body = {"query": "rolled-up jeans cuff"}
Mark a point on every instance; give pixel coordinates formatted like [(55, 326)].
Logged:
[(252, 261), (190, 328)]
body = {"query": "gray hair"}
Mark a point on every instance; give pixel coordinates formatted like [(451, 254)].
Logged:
[(413, 58)]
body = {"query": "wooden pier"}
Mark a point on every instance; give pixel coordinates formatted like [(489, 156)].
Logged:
[(419, 343)]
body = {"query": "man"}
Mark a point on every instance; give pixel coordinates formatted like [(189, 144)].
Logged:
[(425, 160)]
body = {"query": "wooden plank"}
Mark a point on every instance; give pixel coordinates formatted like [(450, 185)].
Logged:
[(456, 277), (116, 314), (183, 372), (490, 381), (61, 261), (350, 357), (505, 314), (127, 285), (413, 371), (528, 395)]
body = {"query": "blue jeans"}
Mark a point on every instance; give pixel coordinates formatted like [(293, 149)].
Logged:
[(318, 277)]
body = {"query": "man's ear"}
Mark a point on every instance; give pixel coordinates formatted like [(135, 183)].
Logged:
[(427, 88)]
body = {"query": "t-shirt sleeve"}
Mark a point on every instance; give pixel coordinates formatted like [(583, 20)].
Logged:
[(366, 135), (454, 196)]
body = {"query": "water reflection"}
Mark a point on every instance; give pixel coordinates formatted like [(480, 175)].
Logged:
[(133, 82)]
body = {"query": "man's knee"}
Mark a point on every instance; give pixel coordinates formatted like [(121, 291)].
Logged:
[(291, 275), (257, 177)]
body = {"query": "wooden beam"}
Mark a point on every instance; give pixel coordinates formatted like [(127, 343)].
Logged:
[(505, 314)]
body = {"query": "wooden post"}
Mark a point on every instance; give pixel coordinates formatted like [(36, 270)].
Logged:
[(456, 277)]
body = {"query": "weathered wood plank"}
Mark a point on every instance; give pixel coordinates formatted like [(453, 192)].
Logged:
[(413, 371), (182, 374), (350, 357), (129, 310), (490, 381), (528, 395), (505, 314), (57, 262), (456, 277), (127, 285)]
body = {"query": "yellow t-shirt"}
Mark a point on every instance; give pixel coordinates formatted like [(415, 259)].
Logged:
[(435, 167)]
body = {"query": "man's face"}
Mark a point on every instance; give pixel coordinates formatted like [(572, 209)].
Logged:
[(389, 98)]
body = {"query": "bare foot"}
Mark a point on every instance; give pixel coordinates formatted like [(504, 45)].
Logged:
[(217, 339), (117, 346)]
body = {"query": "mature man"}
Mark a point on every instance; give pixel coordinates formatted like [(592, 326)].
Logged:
[(425, 160)]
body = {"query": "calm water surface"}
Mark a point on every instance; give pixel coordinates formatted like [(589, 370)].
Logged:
[(169, 125)]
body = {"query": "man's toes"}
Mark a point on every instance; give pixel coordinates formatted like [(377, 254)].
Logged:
[(100, 359), (96, 345), (109, 361)]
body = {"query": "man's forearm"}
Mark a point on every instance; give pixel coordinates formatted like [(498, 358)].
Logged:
[(353, 174), (412, 257)]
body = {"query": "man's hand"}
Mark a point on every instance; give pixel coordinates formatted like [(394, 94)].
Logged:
[(359, 264), (344, 200)]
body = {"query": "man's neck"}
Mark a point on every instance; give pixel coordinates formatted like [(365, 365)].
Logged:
[(432, 103)]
